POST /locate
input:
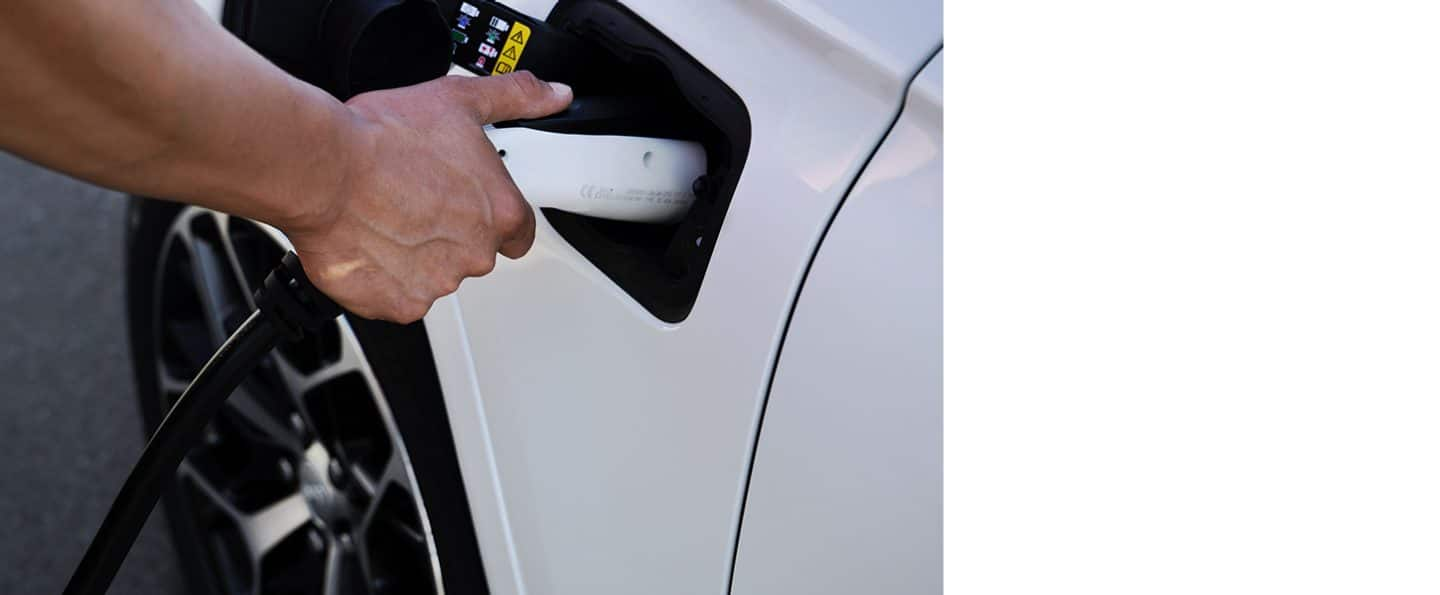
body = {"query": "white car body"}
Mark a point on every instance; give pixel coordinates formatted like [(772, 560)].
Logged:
[(785, 436)]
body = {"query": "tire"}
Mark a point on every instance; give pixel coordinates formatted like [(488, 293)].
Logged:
[(331, 470)]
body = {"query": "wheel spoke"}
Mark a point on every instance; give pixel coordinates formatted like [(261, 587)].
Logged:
[(301, 383), (253, 251), (213, 495), (193, 339), (349, 361), (262, 529), (392, 474), (246, 404), (232, 260), (366, 483), (218, 294), (268, 526), (395, 473), (344, 572), (333, 570), (293, 379), (409, 533)]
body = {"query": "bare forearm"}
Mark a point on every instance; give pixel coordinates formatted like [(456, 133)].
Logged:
[(390, 199), (153, 97)]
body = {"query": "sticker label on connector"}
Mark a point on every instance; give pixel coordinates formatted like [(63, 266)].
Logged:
[(488, 38), (514, 46)]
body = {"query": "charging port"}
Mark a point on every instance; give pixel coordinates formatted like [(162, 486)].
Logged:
[(647, 87)]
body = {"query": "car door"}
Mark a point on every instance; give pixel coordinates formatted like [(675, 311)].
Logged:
[(606, 435)]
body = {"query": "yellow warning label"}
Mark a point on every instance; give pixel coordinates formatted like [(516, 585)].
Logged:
[(514, 46)]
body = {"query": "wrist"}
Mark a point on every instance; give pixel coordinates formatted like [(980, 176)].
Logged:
[(326, 171)]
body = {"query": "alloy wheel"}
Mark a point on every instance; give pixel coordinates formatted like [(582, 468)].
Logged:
[(302, 484)]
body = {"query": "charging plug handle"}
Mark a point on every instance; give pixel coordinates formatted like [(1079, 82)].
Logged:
[(292, 302)]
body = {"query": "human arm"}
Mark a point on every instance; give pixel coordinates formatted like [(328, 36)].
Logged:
[(390, 199)]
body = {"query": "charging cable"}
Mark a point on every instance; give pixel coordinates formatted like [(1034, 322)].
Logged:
[(288, 307)]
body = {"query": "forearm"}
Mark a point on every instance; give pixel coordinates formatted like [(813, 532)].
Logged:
[(152, 97), (390, 199)]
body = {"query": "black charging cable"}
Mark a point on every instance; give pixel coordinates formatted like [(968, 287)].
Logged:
[(288, 307)]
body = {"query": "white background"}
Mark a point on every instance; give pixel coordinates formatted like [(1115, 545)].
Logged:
[(1193, 297)]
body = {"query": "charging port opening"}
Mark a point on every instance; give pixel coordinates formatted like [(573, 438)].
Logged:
[(650, 87)]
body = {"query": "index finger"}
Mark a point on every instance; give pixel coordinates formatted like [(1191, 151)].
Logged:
[(515, 96)]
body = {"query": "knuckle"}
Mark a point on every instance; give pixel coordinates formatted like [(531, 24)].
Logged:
[(460, 89), (413, 310), (481, 264), (438, 285), (511, 216), (484, 107), (526, 82), (402, 310), (518, 249), (451, 285), (366, 311)]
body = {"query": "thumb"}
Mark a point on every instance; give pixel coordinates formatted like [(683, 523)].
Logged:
[(515, 96)]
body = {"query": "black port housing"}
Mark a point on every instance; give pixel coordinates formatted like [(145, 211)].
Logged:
[(346, 47), (662, 268), (638, 82)]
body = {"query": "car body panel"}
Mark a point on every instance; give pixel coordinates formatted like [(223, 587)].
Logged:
[(604, 451), (214, 8), (845, 496), (607, 451)]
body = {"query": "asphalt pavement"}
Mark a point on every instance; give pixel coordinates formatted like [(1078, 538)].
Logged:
[(69, 424)]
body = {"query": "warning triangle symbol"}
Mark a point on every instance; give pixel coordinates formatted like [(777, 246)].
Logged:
[(510, 53), (518, 37)]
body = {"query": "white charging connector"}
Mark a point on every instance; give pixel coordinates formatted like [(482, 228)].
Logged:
[(627, 178)]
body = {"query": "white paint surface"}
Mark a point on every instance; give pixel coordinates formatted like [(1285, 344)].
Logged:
[(606, 451), (845, 498), (214, 8)]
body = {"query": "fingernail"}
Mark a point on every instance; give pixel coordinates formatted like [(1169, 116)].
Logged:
[(561, 89)]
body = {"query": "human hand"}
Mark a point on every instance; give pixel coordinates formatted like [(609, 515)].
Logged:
[(425, 201)]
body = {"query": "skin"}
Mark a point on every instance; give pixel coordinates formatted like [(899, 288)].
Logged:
[(391, 199)]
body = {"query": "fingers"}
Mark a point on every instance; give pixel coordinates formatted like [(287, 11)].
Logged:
[(406, 310), (519, 223), (514, 96), (390, 259), (398, 282), (512, 219)]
